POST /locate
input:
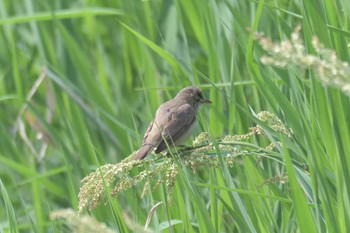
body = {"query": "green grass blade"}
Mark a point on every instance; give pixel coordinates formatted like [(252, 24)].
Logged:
[(10, 213), (60, 14)]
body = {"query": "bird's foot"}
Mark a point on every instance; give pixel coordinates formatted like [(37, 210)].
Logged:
[(183, 148)]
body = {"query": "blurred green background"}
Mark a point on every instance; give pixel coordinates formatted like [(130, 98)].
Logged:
[(81, 80)]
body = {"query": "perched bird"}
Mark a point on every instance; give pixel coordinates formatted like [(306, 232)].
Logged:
[(174, 122)]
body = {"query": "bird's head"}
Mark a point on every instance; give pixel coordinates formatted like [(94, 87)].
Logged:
[(192, 95)]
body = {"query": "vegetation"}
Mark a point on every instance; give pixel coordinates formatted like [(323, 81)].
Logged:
[(81, 80)]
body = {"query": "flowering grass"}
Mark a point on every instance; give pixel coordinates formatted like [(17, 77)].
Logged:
[(116, 178)]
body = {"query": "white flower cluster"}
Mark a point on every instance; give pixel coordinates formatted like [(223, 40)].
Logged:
[(329, 69)]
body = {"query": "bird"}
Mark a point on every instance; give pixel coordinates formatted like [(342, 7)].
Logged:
[(173, 123)]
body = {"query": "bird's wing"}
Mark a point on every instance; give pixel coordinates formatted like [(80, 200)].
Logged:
[(180, 121), (147, 132)]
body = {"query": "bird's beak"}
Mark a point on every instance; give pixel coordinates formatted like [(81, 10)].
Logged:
[(204, 101)]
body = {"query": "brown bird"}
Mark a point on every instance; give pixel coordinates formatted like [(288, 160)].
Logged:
[(174, 122)]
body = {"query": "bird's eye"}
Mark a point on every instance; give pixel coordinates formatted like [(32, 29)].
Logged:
[(200, 95)]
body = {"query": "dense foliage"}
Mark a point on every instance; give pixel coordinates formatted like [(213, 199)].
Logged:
[(81, 80)]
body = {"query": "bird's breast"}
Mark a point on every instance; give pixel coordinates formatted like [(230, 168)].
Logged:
[(187, 133)]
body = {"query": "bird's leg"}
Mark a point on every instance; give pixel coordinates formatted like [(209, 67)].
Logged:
[(174, 151), (184, 148), (168, 154), (179, 150)]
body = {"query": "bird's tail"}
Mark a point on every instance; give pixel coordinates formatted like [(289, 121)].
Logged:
[(144, 151)]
